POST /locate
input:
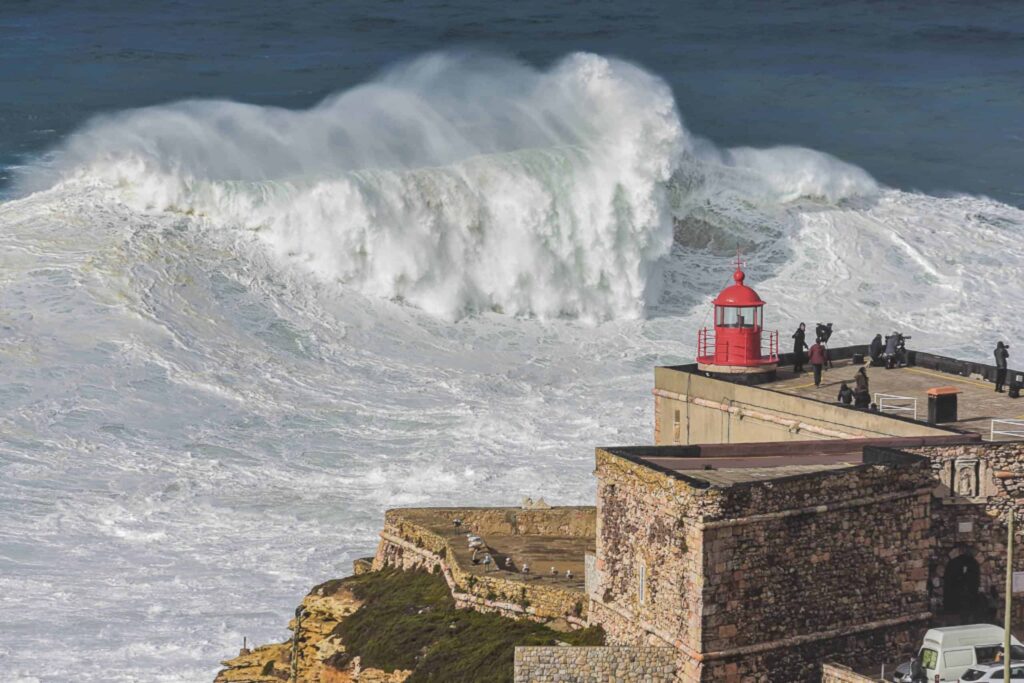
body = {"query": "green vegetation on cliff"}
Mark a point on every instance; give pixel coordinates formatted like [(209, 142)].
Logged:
[(409, 621)]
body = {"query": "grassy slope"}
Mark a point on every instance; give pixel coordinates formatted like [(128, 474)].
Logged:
[(409, 621)]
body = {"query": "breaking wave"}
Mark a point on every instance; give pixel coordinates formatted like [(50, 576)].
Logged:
[(457, 182)]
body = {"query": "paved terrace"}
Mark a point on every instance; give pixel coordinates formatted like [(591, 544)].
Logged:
[(511, 547), (724, 465), (978, 403)]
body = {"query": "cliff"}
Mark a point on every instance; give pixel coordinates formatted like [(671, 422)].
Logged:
[(393, 626)]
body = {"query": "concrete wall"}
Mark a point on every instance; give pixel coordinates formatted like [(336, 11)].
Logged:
[(711, 411), (594, 664)]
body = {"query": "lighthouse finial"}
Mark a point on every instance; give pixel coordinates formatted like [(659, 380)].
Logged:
[(738, 276)]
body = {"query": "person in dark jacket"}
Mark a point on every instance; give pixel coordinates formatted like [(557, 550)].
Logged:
[(799, 344), (845, 394), (875, 350), (861, 392), (1001, 355), (817, 358)]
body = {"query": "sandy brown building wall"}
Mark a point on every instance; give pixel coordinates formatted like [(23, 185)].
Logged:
[(693, 409)]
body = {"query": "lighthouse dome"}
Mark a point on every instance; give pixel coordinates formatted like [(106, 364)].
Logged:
[(738, 294)]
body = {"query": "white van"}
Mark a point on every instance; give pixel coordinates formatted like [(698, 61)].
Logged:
[(951, 650)]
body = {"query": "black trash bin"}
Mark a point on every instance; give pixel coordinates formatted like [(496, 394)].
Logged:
[(1016, 384), (942, 404)]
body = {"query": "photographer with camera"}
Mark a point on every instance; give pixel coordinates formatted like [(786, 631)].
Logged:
[(823, 332), (1001, 353), (895, 354)]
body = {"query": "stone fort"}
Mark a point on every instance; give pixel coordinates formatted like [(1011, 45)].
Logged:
[(769, 529)]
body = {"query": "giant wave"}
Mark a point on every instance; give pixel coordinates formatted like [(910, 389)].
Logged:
[(458, 183)]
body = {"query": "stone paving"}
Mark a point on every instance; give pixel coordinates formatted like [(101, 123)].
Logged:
[(978, 402)]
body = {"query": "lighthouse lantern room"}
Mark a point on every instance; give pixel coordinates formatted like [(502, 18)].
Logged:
[(738, 346)]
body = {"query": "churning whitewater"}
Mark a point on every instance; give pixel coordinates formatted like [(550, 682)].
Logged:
[(234, 335)]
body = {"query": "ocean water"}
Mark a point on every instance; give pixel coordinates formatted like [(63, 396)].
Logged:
[(265, 272)]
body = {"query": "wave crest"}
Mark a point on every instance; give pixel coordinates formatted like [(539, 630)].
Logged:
[(458, 182)]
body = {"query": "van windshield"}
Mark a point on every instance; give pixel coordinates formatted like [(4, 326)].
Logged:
[(929, 658)]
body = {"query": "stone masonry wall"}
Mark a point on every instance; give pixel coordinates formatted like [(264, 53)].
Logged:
[(858, 557), (594, 664), (977, 483), (410, 545), (647, 524), (763, 581), (834, 673)]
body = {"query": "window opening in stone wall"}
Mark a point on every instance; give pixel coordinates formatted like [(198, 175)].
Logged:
[(641, 588), (677, 427)]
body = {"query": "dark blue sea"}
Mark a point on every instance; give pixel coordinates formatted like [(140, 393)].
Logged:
[(923, 95)]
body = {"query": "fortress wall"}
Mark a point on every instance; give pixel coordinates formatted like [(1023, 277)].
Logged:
[(594, 664), (647, 527), (566, 521), (408, 543), (835, 673), (977, 484), (712, 411), (764, 581)]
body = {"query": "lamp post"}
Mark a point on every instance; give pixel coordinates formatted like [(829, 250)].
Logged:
[(1009, 595)]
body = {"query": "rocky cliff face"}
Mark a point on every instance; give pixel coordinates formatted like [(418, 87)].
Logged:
[(316, 654), (394, 626)]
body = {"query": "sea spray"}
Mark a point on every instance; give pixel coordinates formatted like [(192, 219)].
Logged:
[(457, 182)]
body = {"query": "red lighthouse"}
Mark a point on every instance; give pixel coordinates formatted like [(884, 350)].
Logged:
[(739, 346)]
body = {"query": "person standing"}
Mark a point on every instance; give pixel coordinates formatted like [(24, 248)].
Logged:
[(799, 344), (817, 358), (1001, 353), (861, 392), (875, 350)]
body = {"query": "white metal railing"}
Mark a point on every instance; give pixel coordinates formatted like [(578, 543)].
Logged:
[(1010, 428), (896, 404)]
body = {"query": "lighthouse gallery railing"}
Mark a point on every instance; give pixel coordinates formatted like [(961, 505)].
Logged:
[(768, 350)]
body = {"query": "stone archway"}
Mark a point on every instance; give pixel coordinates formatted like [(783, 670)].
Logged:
[(961, 582)]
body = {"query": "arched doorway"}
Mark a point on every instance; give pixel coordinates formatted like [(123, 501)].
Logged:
[(960, 587)]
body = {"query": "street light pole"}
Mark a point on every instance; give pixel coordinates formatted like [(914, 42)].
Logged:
[(1009, 595)]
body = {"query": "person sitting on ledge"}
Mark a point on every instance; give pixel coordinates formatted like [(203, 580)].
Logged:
[(845, 394)]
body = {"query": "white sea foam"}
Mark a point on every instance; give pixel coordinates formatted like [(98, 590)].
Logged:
[(211, 393)]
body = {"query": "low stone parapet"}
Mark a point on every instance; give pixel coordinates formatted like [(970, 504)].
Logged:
[(422, 539), (837, 673), (595, 664)]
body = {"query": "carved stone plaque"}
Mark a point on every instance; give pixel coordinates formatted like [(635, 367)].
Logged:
[(965, 477)]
